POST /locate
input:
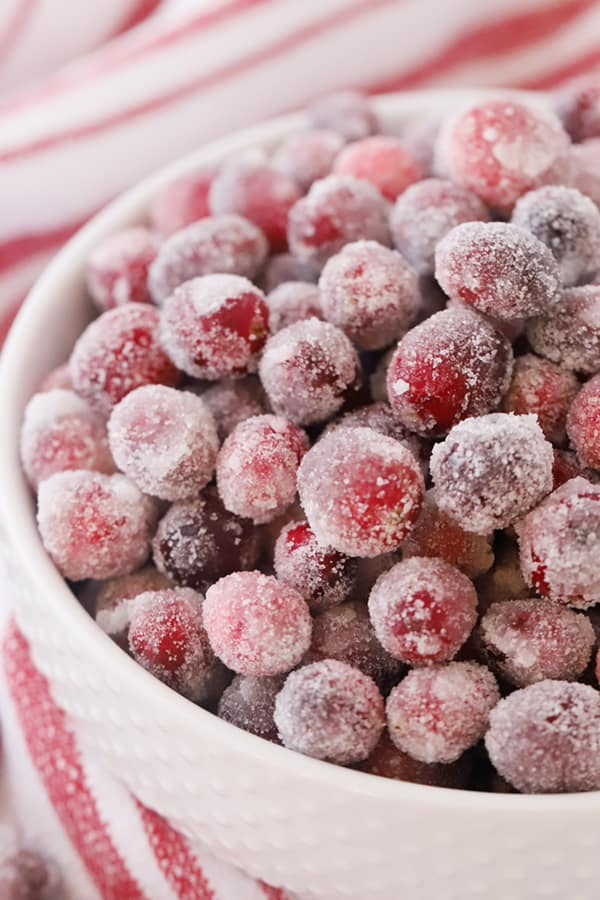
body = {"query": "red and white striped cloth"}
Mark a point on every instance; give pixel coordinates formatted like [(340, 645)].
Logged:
[(94, 95)]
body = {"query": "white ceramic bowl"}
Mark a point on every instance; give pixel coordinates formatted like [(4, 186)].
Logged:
[(319, 830)]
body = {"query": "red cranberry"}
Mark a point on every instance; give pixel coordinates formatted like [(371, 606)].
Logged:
[(541, 387), (234, 401), (308, 156), (583, 423), (293, 301), (117, 269), (578, 106), (386, 162), (112, 606), (60, 377), (349, 113), (389, 762), (182, 202), (569, 334), (284, 267), (249, 703), (566, 466)]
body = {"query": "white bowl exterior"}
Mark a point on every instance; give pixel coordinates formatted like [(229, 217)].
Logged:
[(320, 831)]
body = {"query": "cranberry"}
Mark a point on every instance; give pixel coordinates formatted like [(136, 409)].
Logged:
[(112, 604), (60, 377), (583, 423), (585, 171), (234, 401), (541, 387), (293, 301), (569, 334), (386, 162), (566, 466), (249, 703), (308, 156), (389, 762), (285, 267), (182, 202), (578, 106), (349, 113), (118, 268)]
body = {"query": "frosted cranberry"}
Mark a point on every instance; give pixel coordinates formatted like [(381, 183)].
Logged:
[(215, 326), (425, 213), (386, 162), (112, 604), (60, 377), (117, 353), (501, 148), (321, 574), (117, 268), (249, 703), (436, 534), (234, 401), (583, 423), (370, 293), (198, 541), (257, 465), (308, 369), (182, 202), (223, 245), (568, 223), (164, 440), (60, 432), (453, 365), (337, 210), (437, 713), (529, 640), (578, 106), (559, 545), (285, 267), (498, 268), (389, 762), (256, 624), (167, 637), (293, 301), (361, 491), (26, 875), (504, 581), (258, 191), (545, 738), (331, 711), (540, 387), (94, 526), (569, 334), (308, 156), (585, 172), (350, 113)]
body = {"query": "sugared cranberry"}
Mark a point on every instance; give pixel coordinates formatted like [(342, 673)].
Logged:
[(541, 387), (560, 545), (249, 703), (198, 541), (337, 210), (234, 401), (545, 738), (293, 301), (583, 423), (257, 465), (308, 369), (453, 365), (386, 162), (94, 526), (112, 607), (117, 270), (256, 624), (308, 156), (349, 113), (260, 192), (585, 172), (388, 761), (182, 201), (361, 491), (370, 293), (285, 267), (569, 334), (27, 875), (498, 268), (437, 713), (215, 326), (578, 106), (331, 711), (60, 377), (60, 432), (117, 353), (501, 148)]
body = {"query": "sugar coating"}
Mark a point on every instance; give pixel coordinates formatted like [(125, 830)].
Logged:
[(559, 543), (337, 210), (60, 377), (570, 333), (226, 244), (492, 470), (256, 624), (292, 301), (257, 465), (117, 268), (544, 389), (425, 213), (386, 162), (331, 711), (231, 401), (112, 599), (498, 268), (198, 541), (182, 201), (529, 640), (437, 713), (585, 174), (545, 738), (361, 491), (249, 703), (215, 326), (388, 761), (349, 113), (423, 610), (118, 352), (308, 156), (583, 423), (577, 104), (453, 365), (60, 432), (284, 267), (370, 292), (93, 525), (568, 223)]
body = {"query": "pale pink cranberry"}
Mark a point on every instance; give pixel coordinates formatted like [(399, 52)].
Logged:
[(578, 107), (293, 301), (583, 423), (545, 738), (256, 625), (387, 761), (386, 162), (350, 113), (232, 401), (60, 432), (117, 353), (257, 466), (331, 711), (117, 269), (569, 333), (215, 326), (585, 171), (112, 606), (541, 387), (285, 267), (94, 526), (308, 156), (182, 201), (491, 470), (361, 491), (249, 703), (437, 713), (60, 377)]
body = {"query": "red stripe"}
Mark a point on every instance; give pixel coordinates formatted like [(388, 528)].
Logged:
[(140, 11), (17, 249), (568, 70), (55, 756), (272, 893), (16, 24)]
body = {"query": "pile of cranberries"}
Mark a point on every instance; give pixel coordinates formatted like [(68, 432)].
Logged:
[(329, 456)]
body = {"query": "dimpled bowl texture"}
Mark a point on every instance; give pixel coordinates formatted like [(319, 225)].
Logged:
[(318, 830)]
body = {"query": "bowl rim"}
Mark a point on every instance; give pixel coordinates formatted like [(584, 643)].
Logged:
[(42, 575)]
